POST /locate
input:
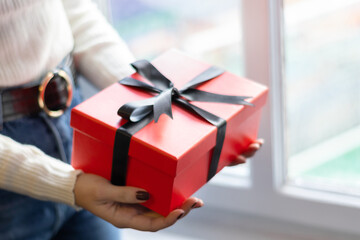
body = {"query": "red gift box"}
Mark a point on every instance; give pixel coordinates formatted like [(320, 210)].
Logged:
[(170, 158)]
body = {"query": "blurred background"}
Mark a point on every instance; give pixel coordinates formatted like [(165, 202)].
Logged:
[(320, 83)]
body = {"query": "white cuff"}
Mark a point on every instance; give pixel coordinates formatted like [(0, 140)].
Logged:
[(27, 170)]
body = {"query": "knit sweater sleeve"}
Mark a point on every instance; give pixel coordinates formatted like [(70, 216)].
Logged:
[(100, 54), (27, 170)]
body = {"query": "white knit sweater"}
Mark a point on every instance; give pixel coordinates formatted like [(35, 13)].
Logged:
[(34, 36)]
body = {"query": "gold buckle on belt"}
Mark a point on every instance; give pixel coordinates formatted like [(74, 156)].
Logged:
[(42, 87)]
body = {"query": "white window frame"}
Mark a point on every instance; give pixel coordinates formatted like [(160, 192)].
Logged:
[(268, 194)]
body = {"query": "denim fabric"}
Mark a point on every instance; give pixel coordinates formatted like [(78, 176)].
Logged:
[(22, 217)]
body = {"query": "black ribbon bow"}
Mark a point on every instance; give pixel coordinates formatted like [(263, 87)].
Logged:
[(140, 113)]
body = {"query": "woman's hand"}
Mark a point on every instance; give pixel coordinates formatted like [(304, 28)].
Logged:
[(120, 205), (252, 149)]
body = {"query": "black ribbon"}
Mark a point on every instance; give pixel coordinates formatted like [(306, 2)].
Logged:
[(140, 113)]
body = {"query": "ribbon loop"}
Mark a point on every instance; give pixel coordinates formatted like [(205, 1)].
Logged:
[(146, 69), (135, 111), (139, 84)]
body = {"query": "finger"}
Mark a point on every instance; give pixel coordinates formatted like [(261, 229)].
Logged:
[(260, 141), (198, 204), (161, 223), (251, 150), (239, 160), (125, 194), (253, 147), (189, 204)]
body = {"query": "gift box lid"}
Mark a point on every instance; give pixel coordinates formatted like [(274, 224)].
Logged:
[(170, 144)]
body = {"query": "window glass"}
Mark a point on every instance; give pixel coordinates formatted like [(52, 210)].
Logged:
[(209, 30), (322, 94)]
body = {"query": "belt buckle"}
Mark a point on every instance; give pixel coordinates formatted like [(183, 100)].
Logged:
[(42, 87)]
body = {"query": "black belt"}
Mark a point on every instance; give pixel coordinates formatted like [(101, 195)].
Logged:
[(51, 94)]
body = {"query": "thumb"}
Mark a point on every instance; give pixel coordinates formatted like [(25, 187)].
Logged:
[(125, 194)]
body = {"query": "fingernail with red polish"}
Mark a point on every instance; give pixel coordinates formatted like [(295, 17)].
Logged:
[(142, 195)]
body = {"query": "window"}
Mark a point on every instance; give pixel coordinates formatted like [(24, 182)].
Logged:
[(307, 52)]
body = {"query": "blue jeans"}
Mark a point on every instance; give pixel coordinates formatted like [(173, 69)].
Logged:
[(22, 217)]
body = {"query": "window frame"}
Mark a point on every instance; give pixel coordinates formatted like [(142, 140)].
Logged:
[(268, 194)]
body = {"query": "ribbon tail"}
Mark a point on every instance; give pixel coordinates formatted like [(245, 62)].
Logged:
[(132, 82), (162, 104), (202, 96), (211, 118)]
